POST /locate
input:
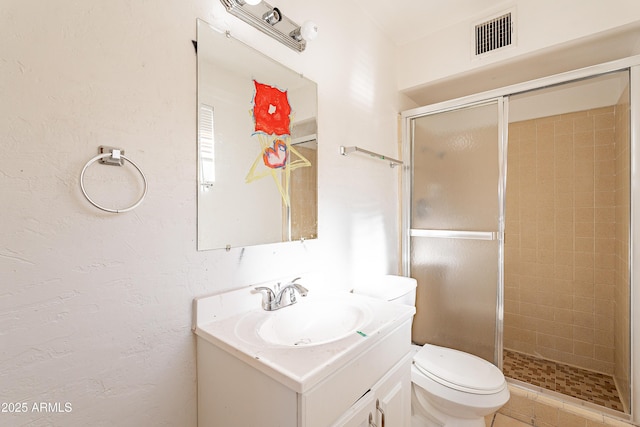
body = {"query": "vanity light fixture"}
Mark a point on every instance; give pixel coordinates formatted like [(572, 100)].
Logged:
[(272, 17), (272, 22), (307, 31)]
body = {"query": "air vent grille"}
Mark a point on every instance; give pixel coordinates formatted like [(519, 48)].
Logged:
[(494, 34)]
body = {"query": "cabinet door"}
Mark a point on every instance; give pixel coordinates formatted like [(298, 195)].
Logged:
[(361, 414), (393, 396)]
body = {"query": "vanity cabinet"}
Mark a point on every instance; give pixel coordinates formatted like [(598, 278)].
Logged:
[(232, 392), (387, 404)]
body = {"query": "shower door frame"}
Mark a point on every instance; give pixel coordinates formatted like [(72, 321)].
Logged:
[(632, 64), (502, 111)]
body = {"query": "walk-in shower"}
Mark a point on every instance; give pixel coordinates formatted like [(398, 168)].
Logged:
[(566, 251), (518, 229)]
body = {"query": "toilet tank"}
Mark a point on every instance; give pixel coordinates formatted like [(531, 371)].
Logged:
[(398, 289)]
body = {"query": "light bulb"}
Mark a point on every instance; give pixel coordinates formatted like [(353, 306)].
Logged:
[(309, 30), (252, 2)]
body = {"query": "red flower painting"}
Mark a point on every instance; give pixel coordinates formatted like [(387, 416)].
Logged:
[(271, 110)]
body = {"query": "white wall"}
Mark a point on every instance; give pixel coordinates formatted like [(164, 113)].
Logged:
[(540, 25), (95, 308)]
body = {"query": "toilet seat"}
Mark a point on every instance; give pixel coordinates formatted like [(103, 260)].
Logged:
[(458, 370)]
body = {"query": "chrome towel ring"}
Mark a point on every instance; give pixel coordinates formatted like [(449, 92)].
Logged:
[(115, 158)]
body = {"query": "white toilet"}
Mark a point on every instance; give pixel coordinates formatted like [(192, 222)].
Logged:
[(449, 387)]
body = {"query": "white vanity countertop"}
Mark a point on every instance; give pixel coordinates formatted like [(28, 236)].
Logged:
[(216, 320)]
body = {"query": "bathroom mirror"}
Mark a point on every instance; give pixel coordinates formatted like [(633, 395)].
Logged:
[(257, 146)]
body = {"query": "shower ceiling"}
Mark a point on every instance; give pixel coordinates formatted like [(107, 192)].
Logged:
[(586, 94), (596, 92)]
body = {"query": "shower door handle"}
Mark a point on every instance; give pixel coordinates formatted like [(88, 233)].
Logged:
[(455, 234)]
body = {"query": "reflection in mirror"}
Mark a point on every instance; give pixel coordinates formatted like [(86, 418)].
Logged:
[(257, 147)]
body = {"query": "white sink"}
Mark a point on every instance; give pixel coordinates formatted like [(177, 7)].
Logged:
[(301, 344), (313, 322)]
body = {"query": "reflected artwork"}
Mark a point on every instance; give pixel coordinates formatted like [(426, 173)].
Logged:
[(272, 115)]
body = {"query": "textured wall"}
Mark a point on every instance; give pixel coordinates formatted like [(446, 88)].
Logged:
[(95, 308)]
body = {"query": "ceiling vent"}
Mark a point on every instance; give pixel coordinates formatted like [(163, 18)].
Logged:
[(494, 34)]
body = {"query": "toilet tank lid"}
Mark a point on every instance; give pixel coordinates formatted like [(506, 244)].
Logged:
[(459, 370), (386, 287)]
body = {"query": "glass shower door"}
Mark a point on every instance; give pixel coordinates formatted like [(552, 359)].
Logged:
[(456, 228)]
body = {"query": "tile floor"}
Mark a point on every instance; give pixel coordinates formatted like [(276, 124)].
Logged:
[(503, 421), (579, 383)]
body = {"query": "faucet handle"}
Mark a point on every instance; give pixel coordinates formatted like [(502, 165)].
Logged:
[(268, 297), (268, 291)]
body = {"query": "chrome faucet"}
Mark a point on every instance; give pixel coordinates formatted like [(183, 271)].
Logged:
[(273, 300)]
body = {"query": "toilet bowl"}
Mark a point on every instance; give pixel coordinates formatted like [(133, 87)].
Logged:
[(449, 387), (453, 388)]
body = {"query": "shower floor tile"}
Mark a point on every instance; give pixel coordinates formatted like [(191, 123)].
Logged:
[(575, 382)]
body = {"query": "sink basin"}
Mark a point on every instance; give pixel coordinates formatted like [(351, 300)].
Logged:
[(301, 345), (311, 322)]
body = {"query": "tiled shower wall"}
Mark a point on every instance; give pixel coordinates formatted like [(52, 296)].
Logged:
[(560, 238)]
